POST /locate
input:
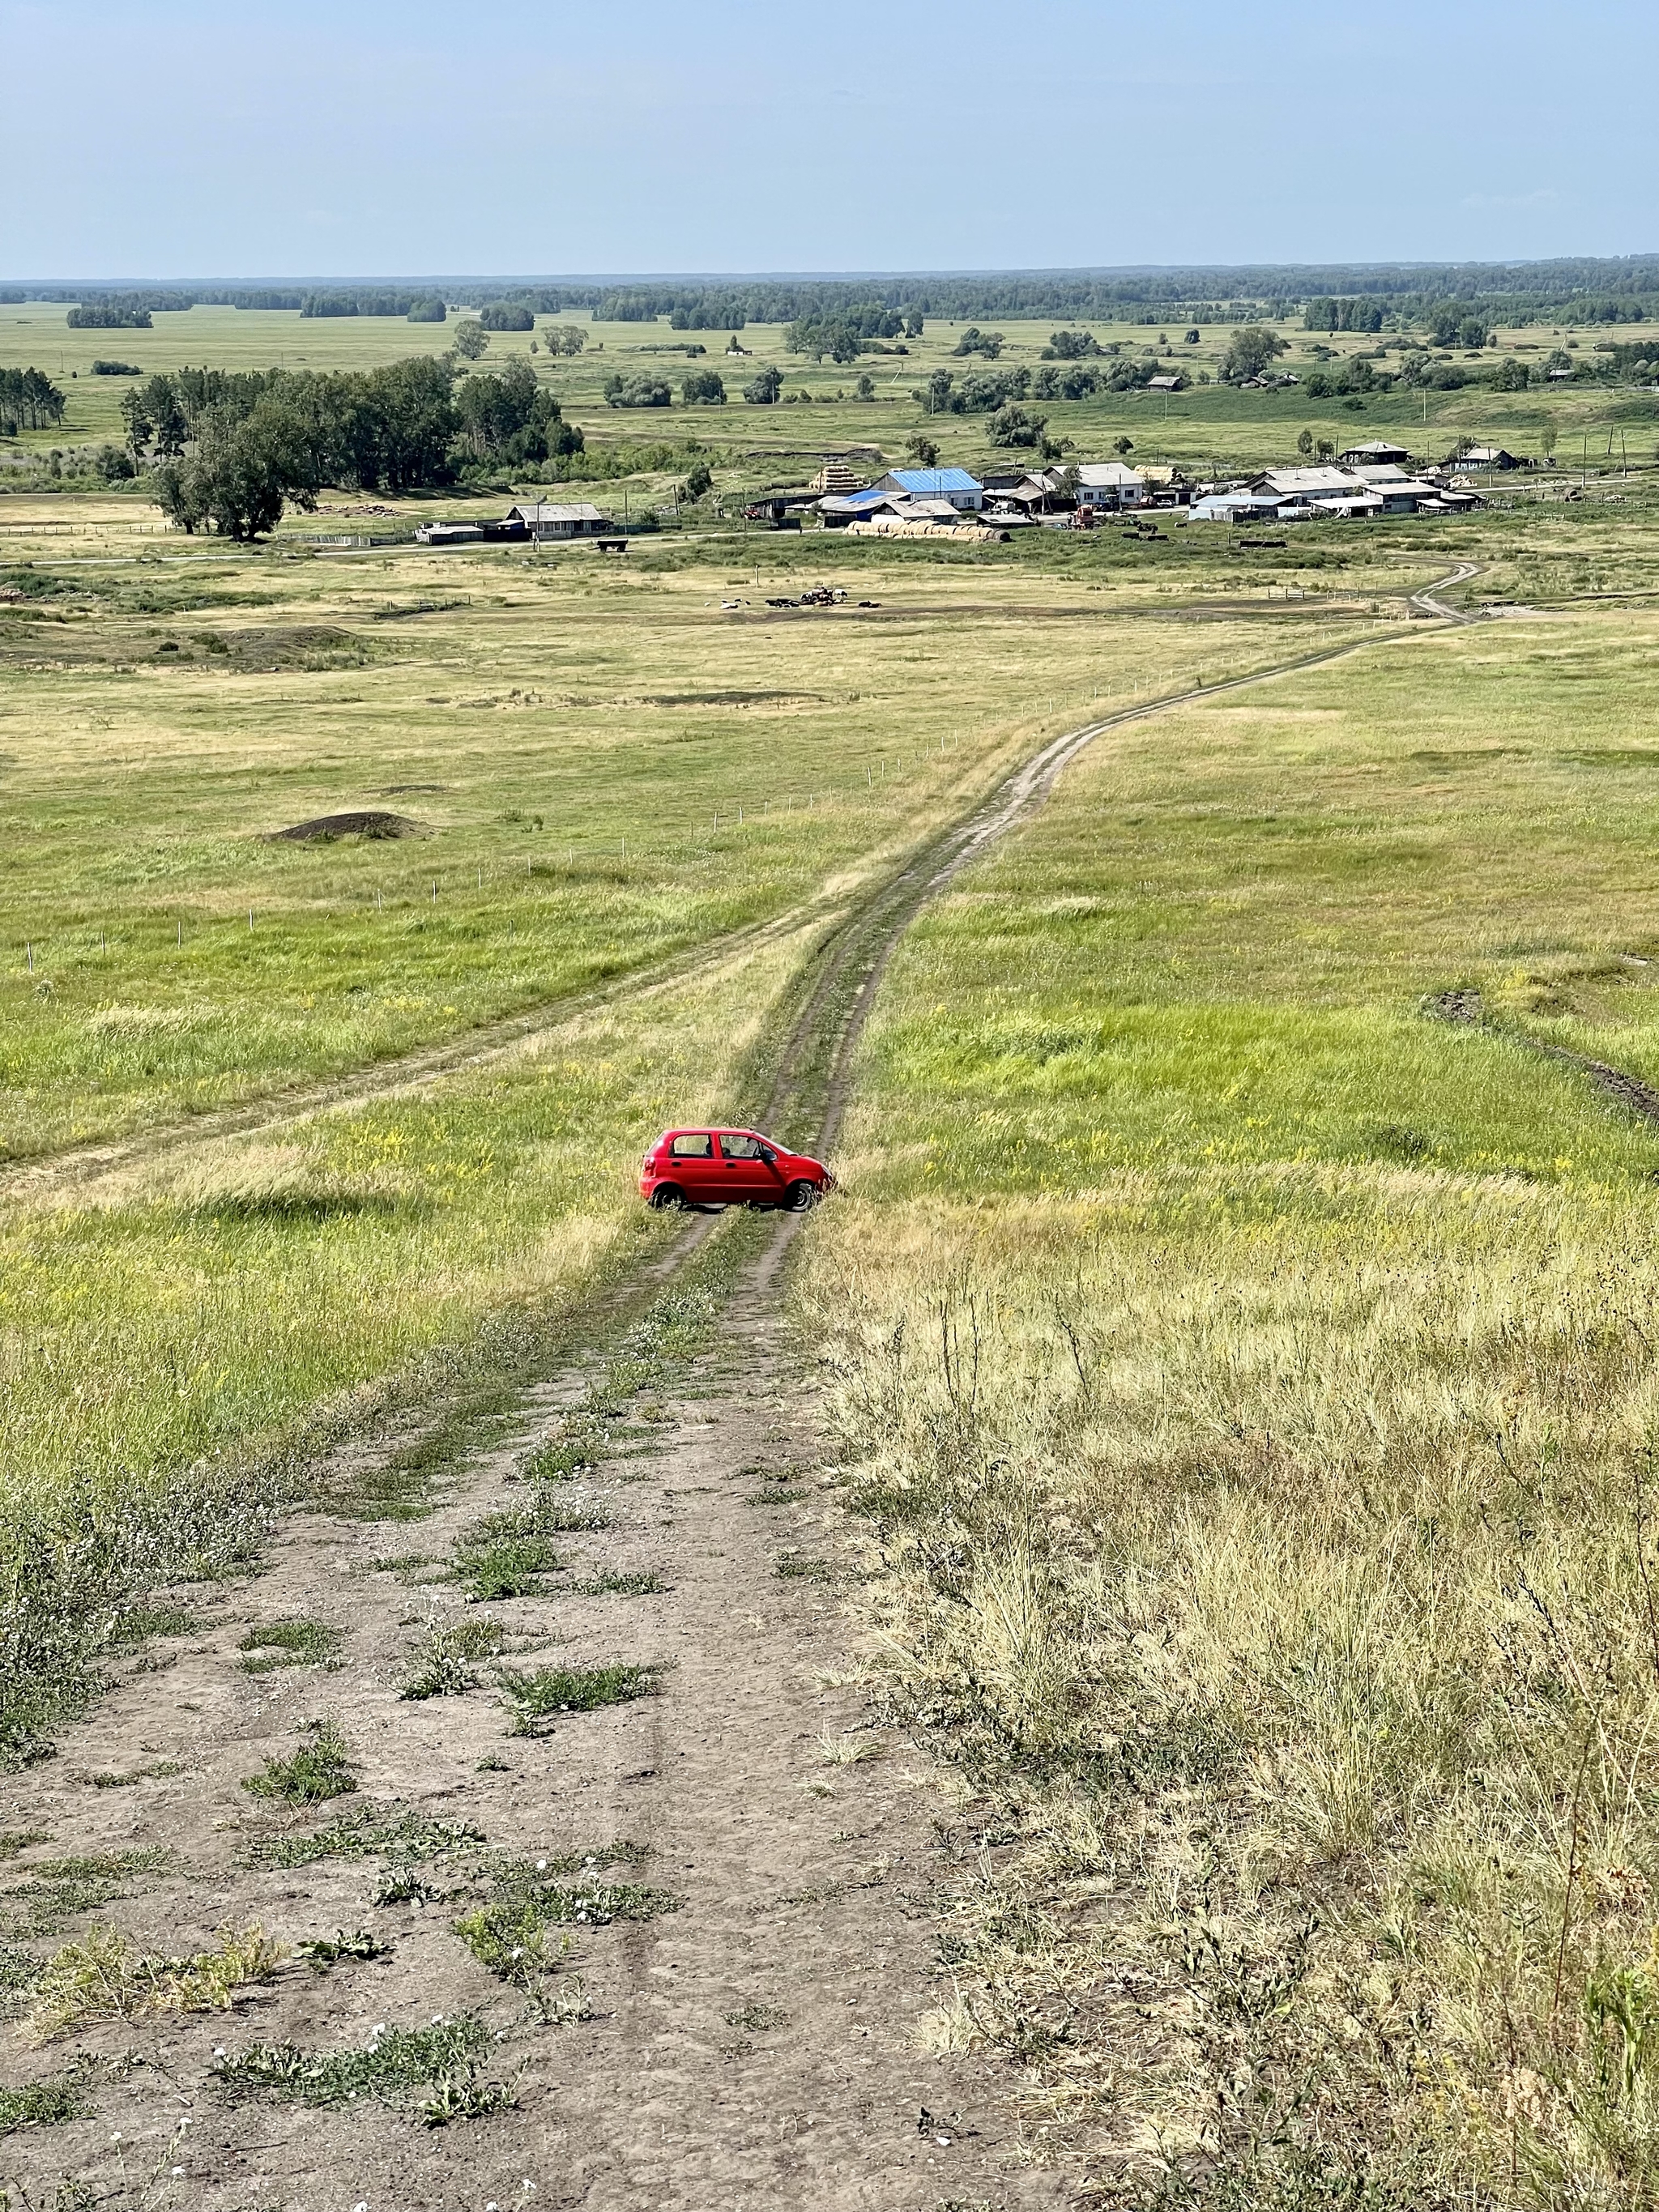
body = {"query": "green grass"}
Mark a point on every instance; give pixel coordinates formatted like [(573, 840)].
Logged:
[(319, 1770), (279, 1643), (433, 2072), (48, 2104), (748, 445), (1248, 1382), (370, 1831), (538, 1697)]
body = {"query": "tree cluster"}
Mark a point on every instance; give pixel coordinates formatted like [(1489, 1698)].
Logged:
[(1334, 315), (30, 400), (1252, 349), (703, 387), (110, 313), (844, 335), (227, 452), (987, 344), (507, 315), (1071, 345), (645, 388)]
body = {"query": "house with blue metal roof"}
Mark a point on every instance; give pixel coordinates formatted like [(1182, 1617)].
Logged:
[(965, 493)]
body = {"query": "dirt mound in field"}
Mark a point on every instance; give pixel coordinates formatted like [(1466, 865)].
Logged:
[(368, 821)]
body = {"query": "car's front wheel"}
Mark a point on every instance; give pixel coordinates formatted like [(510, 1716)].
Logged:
[(801, 1197), (667, 1197)]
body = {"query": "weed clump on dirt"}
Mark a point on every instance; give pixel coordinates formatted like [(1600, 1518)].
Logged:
[(444, 1668), (511, 1932), (59, 1889), (506, 1554), (644, 1585), (371, 1831), (101, 1977), (319, 1770), (435, 2072), (801, 1567), (320, 1952), (540, 1698), (44, 2104), (289, 1644)]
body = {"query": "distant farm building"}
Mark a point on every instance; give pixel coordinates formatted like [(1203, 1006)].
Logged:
[(1109, 484), (1485, 457), (965, 493), (543, 518), (1376, 452)]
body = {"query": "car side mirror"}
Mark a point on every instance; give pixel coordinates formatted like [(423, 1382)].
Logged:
[(770, 1158)]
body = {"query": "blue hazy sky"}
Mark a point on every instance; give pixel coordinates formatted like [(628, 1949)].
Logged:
[(394, 137)]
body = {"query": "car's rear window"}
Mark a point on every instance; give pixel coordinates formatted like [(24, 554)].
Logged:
[(698, 1146), (740, 1148)]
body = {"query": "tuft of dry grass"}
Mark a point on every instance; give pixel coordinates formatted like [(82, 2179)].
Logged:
[(1262, 1511), (101, 1978)]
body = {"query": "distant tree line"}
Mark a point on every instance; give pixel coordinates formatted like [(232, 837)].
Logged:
[(30, 400), (227, 452), (1581, 289)]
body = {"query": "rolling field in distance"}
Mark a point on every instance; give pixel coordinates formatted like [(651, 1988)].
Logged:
[(1248, 1382), (1204, 425)]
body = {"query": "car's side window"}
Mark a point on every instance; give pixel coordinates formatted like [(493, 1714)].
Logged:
[(697, 1147), (740, 1148)]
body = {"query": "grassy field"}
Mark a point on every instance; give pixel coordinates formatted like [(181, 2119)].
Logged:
[(1248, 1385), (1205, 426), (607, 768), (619, 780), (1246, 1378)]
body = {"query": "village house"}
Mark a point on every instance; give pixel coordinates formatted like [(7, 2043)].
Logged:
[(1376, 452), (543, 519), (1109, 484), (965, 493)]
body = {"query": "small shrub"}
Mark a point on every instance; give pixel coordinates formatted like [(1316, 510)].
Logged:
[(756, 2019), (615, 1585), (289, 1644), (317, 1772), (540, 1697)]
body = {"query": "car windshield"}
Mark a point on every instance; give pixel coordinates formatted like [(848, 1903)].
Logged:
[(696, 1146)]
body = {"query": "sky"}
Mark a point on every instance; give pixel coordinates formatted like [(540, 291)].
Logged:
[(331, 138)]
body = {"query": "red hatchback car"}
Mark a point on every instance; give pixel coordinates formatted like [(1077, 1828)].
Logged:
[(730, 1167)]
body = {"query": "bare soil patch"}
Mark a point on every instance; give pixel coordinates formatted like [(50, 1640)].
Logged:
[(740, 1858), (364, 822)]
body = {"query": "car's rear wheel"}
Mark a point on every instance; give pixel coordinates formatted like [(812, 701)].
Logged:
[(801, 1197), (667, 1197)]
